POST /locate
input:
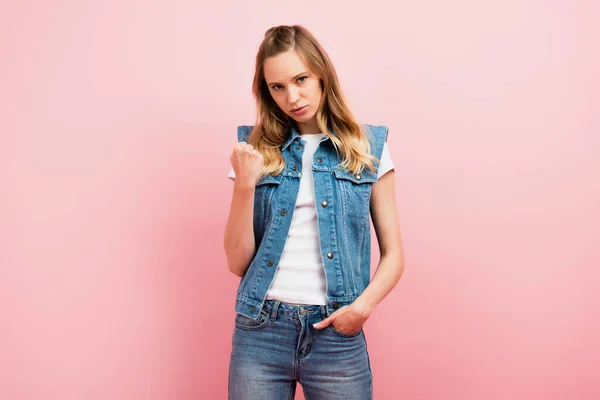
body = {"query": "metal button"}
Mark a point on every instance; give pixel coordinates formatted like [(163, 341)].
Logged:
[(319, 159), (330, 255), (324, 204), (270, 263), (358, 177), (298, 147), (335, 305), (252, 309), (295, 168), (283, 212)]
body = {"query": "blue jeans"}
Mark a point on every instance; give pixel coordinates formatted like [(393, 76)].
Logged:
[(270, 354)]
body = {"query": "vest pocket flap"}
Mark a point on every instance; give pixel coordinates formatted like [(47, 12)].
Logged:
[(269, 180), (364, 177)]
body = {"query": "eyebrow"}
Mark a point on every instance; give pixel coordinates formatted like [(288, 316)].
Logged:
[(294, 78)]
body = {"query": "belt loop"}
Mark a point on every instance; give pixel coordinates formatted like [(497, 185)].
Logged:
[(274, 310), (323, 311)]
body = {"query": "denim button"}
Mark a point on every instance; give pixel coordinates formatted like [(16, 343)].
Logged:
[(283, 212), (330, 255), (319, 159), (295, 168), (335, 305), (270, 262), (252, 309), (358, 177), (298, 147), (324, 204)]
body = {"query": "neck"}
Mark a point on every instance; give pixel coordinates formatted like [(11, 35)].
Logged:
[(308, 128)]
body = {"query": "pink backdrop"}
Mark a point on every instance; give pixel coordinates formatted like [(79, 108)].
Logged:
[(118, 119)]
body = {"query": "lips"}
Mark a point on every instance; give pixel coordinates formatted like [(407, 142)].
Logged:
[(298, 108)]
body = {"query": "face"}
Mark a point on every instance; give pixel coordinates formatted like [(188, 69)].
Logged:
[(295, 89)]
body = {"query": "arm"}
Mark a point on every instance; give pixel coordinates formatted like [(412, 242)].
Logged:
[(239, 242), (384, 214)]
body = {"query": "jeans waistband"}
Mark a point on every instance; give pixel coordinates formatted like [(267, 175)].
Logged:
[(277, 307)]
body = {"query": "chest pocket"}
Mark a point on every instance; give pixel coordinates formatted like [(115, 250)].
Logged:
[(263, 193), (355, 190)]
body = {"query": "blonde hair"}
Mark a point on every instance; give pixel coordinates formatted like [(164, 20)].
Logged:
[(333, 115)]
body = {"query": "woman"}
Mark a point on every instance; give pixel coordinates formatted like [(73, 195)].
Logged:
[(306, 178)]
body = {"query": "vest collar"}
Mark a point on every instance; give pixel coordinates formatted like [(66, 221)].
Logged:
[(293, 134)]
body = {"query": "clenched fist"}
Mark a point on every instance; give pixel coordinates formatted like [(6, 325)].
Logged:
[(247, 164)]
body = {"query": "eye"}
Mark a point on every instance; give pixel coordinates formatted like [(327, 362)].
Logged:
[(274, 87), (302, 77)]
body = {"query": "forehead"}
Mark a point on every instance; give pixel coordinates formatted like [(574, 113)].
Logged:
[(283, 66)]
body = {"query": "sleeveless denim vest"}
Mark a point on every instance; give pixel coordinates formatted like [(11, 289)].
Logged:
[(342, 205)]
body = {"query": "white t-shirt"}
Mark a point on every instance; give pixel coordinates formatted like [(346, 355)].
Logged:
[(300, 275)]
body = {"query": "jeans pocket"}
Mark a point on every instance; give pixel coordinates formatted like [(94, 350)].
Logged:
[(247, 323), (344, 335)]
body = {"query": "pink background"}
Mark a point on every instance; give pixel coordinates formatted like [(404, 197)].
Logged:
[(117, 122)]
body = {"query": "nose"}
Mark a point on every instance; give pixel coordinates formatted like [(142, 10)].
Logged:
[(293, 95)]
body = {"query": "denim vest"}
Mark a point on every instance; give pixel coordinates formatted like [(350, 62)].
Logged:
[(342, 205)]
